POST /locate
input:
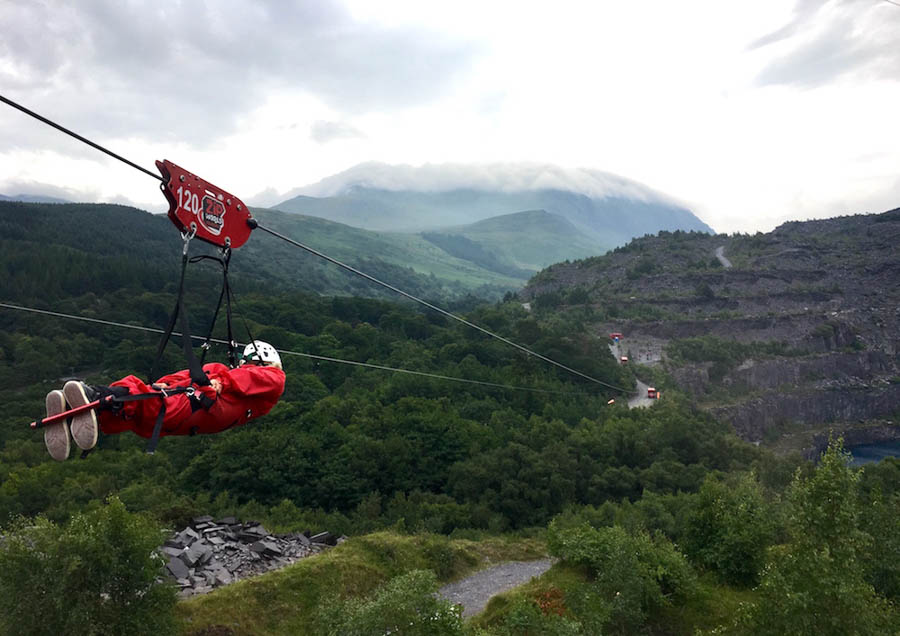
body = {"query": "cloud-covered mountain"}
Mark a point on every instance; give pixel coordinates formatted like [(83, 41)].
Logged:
[(495, 177), (608, 209)]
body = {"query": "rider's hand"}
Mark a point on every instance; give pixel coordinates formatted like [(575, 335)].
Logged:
[(216, 385)]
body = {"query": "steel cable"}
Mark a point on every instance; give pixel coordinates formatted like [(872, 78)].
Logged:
[(312, 356)]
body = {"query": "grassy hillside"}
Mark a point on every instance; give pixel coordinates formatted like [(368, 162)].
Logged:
[(54, 249), (293, 600), (610, 219), (533, 239), (403, 250)]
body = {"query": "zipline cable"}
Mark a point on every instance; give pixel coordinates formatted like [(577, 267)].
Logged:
[(301, 354), (330, 259), (77, 136), (437, 309)]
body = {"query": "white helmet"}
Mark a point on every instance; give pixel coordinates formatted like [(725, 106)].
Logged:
[(261, 352)]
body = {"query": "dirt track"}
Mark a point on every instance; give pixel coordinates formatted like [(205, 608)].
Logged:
[(474, 592)]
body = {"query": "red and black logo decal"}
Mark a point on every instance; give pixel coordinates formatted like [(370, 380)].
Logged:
[(212, 214)]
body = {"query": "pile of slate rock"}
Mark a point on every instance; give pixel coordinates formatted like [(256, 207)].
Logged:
[(208, 553)]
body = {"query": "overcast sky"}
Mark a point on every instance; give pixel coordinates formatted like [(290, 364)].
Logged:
[(749, 113)]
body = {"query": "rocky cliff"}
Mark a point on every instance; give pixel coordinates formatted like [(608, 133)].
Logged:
[(797, 329)]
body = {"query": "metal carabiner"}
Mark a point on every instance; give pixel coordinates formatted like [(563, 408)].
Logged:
[(187, 236)]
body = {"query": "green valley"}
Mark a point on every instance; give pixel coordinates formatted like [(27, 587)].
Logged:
[(660, 520)]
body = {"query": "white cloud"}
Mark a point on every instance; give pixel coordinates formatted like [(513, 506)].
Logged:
[(324, 131), (502, 177)]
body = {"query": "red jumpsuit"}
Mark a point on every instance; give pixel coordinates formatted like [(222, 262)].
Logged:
[(247, 392)]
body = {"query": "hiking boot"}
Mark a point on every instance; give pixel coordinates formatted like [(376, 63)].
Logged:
[(84, 425), (56, 436)]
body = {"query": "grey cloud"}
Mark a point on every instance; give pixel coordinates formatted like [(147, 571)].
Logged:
[(819, 61), (854, 36), (189, 70), (325, 131), (804, 12)]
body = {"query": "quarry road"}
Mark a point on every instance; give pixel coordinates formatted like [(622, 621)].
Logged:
[(720, 254), (474, 592), (641, 398)]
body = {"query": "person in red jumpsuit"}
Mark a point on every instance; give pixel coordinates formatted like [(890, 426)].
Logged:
[(235, 397)]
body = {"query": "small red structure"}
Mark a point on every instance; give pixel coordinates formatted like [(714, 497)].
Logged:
[(652, 393), (615, 335), (623, 359)]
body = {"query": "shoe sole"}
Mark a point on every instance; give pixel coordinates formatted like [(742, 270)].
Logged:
[(56, 436), (84, 425)]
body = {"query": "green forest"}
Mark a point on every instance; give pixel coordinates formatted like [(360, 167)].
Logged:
[(662, 520)]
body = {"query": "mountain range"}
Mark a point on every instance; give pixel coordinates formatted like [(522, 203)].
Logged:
[(527, 216), (603, 210), (450, 230), (31, 198)]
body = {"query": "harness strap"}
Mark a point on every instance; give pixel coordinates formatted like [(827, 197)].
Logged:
[(197, 400), (232, 345), (198, 377), (157, 429), (224, 295), (170, 327)]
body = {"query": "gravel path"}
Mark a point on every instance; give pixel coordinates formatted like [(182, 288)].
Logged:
[(474, 592), (720, 254)]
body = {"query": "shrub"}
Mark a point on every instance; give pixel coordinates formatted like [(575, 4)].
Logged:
[(97, 575), (527, 617), (816, 583), (404, 605), (634, 576), (730, 529)]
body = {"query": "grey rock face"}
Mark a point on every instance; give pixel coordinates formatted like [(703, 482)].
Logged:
[(209, 554)]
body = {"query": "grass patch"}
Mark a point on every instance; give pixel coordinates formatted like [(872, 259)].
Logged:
[(287, 601), (713, 605), (559, 577)]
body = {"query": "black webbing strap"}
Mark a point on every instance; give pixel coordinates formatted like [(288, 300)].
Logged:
[(157, 429), (198, 377), (205, 346), (172, 318), (224, 295), (232, 345), (198, 401), (243, 318)]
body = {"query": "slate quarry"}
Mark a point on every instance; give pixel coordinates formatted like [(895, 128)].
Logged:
[(210, 553)]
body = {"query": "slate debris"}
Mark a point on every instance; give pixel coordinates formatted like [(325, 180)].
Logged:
[(210, 553)]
